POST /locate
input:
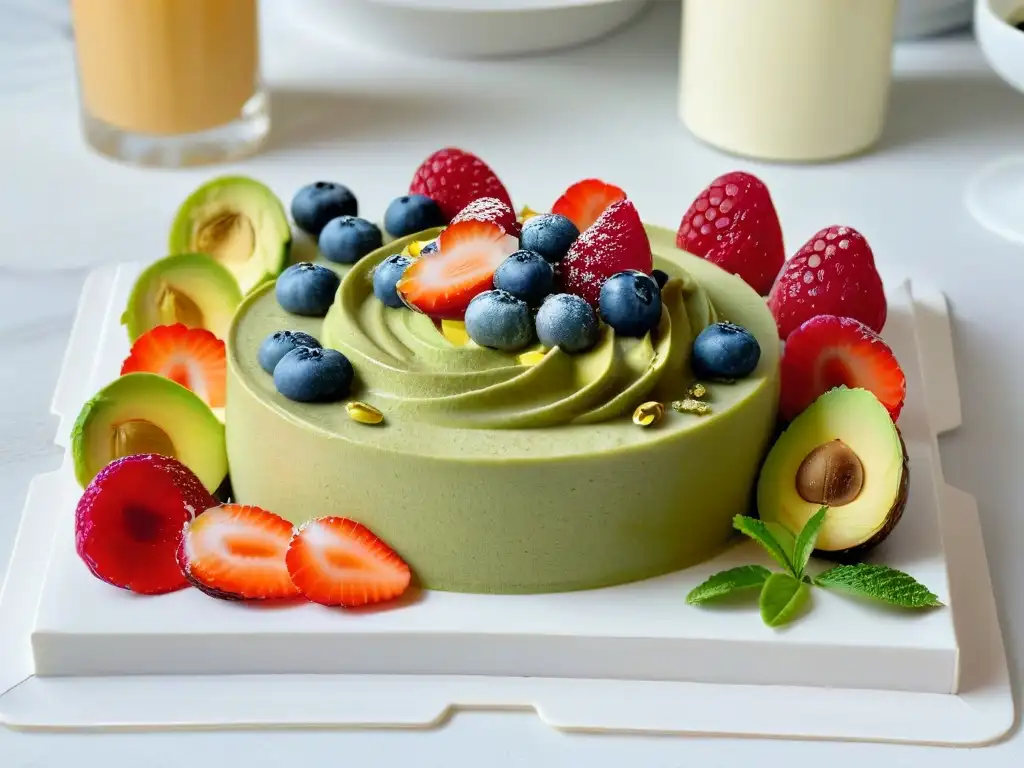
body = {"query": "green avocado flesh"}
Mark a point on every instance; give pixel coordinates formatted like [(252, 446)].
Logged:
[(146, 413), (491, 474), (843, 452), (239, 222), (188, 288)]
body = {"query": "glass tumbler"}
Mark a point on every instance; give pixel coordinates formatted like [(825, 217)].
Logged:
[(170, 82)]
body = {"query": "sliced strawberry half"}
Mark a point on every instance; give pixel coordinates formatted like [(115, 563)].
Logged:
[(616, 242), (454, 178), (193, 357), (586, 200), (827, 352), (128, 522), (442, 284), (337, 561), (490, 209), (237, 552)]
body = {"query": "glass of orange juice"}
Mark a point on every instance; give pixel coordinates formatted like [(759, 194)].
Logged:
[(170, 82)]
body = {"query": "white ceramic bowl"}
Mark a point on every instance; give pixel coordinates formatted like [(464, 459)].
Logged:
[(461, 29), (995, 196)]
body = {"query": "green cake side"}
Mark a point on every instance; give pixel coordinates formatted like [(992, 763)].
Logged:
[(579, 499)]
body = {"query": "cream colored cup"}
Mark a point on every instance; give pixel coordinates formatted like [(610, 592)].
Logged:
[(786, 80)]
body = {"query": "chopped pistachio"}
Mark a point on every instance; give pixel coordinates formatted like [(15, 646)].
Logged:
[(363, 413), (648, 413)]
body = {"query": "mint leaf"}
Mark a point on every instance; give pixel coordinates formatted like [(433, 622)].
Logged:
[(726, 582), (782, 535), (879, 582), (759, 532), (806, 540), (781, 597)]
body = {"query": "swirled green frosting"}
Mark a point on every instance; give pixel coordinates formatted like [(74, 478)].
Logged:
[(415, 370)]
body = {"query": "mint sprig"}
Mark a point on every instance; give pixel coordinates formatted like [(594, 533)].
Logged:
[(783, 595)]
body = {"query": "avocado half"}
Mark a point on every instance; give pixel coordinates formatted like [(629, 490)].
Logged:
[(146, 413), (241, 223), (188, 288), (843, 452)]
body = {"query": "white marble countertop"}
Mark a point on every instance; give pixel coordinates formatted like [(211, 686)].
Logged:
[(608, 110)]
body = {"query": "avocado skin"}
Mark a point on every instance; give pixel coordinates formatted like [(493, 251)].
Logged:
[(856, 554)]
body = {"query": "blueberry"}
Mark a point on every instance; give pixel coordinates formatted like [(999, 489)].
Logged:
[(429, 248), (412, 213), (630, 302), (386, 276), (316, 204), (549, 234), (280, 343), (313, 375), (347, 239), (567, 321), (725, 351), (307, 289), (526, 275), (659, 277), (498, 319)]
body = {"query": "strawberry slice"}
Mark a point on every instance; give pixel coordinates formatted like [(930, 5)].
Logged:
[(237, 552), (193, 357), (733, 223), (490, 209), (829, 351), (337, 561), (442, 284), (586, 200), (616, 242), (454, 178)]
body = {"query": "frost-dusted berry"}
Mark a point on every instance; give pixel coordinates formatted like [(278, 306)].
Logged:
[(526, 275), (499, 320), (567, 321)]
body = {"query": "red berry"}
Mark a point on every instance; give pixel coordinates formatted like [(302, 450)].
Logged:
[(442, 284), (129, 522), (586, 200), (733, 224), (237, 552), (337, 561), (828, 352), (490, 209), (832, 274), (192, 357), (453, 179), (616, 242)]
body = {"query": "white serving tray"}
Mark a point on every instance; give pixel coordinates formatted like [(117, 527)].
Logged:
[(981, 712)]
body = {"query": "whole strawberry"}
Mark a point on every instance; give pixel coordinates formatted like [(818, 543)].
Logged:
[(733, 224), (832, 274), (616, 242), (453, 179)]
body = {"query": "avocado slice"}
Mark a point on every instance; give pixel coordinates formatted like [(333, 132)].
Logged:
[(146, 413), (239, 222), (189, 288), (843, 452)]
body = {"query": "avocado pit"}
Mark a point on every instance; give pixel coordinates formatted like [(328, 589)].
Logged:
[(140, 436), (175, 307), (831, 475), (230, 238)]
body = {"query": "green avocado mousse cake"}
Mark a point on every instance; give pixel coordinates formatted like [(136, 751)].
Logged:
[(467, 399), (517, 470)]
